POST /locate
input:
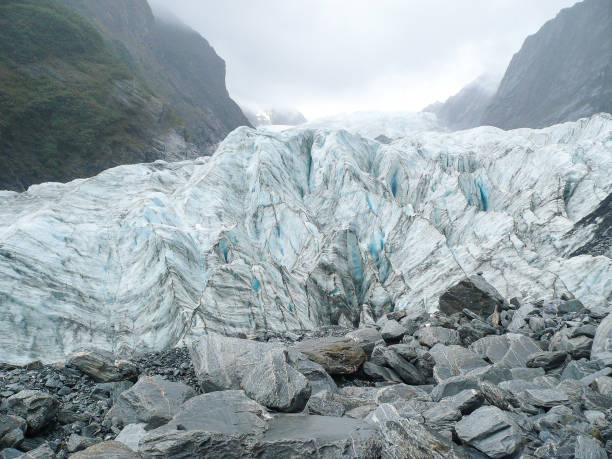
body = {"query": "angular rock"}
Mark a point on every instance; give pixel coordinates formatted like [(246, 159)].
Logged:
[(570, 306), (228, 412), (42, 452), (430, 336), (12, 431), (187, 444), (473, 293), (385, 412), (465, 401), (589, 448), (578, 347), (36, 407), (378, 373), (131, 434), (453, 361), (578, 369), (441, 415), (103, 366), (511, 349), (407, 438), (602, 343), (603, 384), (590, 379), (79, 443), (276, 385), (406, 371), (339, 356), (323, 404), (152, 400), (526, 373), (366, 337), (400, 392), (545, 397), (519, 319), (392, 331), (107, 450), (546, 359), (491, 431), (112, 390), (316, 375)]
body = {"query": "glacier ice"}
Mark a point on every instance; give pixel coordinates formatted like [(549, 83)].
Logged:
[(299, 228)]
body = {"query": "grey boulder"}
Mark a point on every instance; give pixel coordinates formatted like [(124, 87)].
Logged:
[(430, 336), (602, 343), (12, 431), (392, 331), (453, 361), (490, 430), (378, 373), (546, 359), (153, 400), (131, 434), (473, 293), (511, 349), (36, 407), (79, 443), (276, 385), (103, 366), (107, 450)]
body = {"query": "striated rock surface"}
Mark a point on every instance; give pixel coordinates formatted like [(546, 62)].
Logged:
[(298, 229)]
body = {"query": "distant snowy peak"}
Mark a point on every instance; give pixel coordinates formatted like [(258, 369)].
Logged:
[(273, 116), (380, 125)]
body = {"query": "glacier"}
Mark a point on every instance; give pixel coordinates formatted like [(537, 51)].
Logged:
[(299, 228)]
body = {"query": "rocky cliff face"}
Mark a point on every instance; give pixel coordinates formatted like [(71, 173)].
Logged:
[(465, 109), (298, 229), (178, 63), (562, 73)]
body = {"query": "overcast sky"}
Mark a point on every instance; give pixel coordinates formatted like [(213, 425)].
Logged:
[(329, 56)]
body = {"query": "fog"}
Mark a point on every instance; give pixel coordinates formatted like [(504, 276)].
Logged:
[(328, 56)]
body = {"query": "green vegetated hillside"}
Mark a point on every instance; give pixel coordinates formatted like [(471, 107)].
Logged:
[(70, 104)]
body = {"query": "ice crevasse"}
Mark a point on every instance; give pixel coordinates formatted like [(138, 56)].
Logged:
[(300, 228)]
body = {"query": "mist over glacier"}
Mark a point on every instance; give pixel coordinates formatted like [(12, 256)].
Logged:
[(296, 229)]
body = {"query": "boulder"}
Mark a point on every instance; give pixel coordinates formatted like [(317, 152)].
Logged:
[(107, 450), (578, 369), (392, 331), (465, 401), (43, 451), (520, 317), (490, 430), (103, 366), (276, 385), (544, 397), (406, 371), (366, 337), (603, 384), (228, 412), (430, 336), (602, 343), (79, 443), (526, 373), (587, 447), (36, 407), (131, 434), (511, 349), (378, 373), (152, 400), (323, 404), (338, 356), (578, 347), (546, 359), (473, 293), (453, 360), (12, 431), (407, 438)]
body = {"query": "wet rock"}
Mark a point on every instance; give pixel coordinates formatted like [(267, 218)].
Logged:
[(12, 431), (107, 450), (546, 360), (392, 331), (473, 293), (153, 400), (338, 356), (36, 407), (511, 349), (453, 361), (276, 385), (103, 366), (79, 443), (490, 430), (430, 336), (131, 434)]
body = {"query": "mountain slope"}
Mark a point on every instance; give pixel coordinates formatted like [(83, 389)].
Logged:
[(299, 229), (71, 106), (176, 62), (562, 73), (465, 109)]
